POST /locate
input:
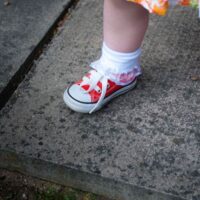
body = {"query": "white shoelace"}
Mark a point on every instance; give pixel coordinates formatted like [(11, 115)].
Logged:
[(92, 81)]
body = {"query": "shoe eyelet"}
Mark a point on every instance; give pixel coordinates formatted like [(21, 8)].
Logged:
[(108, 86), (99, 91)]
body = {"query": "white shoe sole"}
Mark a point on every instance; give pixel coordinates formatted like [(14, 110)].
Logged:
[(87, 107)]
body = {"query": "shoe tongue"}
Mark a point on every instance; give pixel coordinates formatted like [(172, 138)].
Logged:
[(88, 75), (91, 76), (87, 86)]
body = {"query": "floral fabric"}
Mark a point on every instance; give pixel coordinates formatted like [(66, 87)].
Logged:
[(160, 7)]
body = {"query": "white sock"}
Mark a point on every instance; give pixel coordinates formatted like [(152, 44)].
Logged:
[(121, 68)]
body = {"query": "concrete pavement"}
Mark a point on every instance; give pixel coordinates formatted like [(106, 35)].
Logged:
[(145, 145), (25, 26)]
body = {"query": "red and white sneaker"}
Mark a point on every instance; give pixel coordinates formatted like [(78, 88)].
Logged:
[(93, 91)]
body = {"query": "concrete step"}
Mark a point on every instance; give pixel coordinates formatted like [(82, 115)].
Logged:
[(25, 26), (144, 145)]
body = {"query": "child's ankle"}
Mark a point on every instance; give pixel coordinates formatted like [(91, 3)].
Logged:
[(121, 68)]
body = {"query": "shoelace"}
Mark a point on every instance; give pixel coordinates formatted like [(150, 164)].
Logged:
[(92, 81)]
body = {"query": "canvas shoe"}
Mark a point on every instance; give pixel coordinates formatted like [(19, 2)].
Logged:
[(93, 92)]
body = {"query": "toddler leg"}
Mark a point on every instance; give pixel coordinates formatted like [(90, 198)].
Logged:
[(125, 24), (116, 71)]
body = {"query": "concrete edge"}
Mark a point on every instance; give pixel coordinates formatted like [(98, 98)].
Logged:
[(37, 51), (78, 179)]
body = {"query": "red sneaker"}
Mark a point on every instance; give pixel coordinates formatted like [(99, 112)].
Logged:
[(93, 91)]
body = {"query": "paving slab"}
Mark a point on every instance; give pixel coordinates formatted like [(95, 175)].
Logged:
[(23, 24), (145, 145)]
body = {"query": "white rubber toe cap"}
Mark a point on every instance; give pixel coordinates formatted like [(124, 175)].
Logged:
[(78, 94)]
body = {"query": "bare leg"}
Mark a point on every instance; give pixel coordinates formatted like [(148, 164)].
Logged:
[(125, 24)]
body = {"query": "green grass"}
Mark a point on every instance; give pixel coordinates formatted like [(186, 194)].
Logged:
[(53, 194)]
